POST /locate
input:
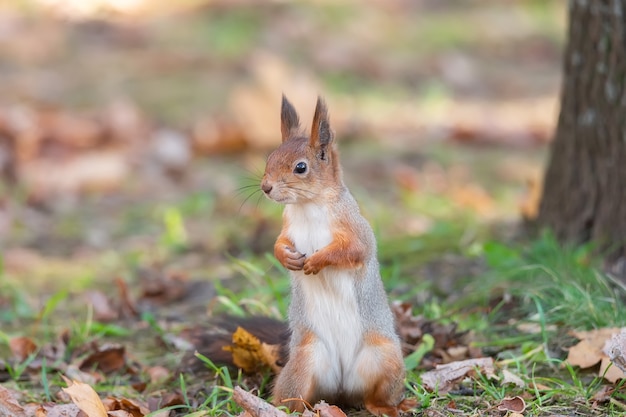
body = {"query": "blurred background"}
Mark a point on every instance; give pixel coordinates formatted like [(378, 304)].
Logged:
[(133, 133)]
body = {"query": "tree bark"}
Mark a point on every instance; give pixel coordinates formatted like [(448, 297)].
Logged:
[(584, 197)]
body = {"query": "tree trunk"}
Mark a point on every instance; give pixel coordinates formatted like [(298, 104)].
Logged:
[(584, 195)]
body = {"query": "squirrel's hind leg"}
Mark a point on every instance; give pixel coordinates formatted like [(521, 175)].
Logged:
[(381, 366), (298, 379)]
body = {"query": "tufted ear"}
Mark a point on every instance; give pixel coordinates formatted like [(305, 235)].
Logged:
[(289, 121), (321, 134)]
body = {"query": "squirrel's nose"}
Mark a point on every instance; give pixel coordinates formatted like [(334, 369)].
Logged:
[(266, 187)]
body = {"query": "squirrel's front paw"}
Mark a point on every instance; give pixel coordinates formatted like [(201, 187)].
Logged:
[(291, 259), (312, 265)]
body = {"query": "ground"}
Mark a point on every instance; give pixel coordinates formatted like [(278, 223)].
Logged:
[(131, 213)]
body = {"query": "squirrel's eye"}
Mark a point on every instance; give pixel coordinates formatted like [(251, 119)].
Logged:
[(300, 168)]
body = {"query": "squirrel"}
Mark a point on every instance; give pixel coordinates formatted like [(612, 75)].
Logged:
[(343, 346)]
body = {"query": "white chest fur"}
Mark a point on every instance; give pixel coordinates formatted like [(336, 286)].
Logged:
[(309, 227), (328, 300)]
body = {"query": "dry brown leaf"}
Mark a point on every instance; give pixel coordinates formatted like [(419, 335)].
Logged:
[(593, 348), (513, 404), (85, 398), (102, 307), (509, 377), (604, 394), (585, 354), (443, 377), (9, 406), (158, 374), (58, 410), (127, 303), (210, 136), (163, 288), (326, 410), (609, 371), (165, 400), (22, 347), (107, 358), (133, 408), (96, 170), (409, 326), (119, 413)]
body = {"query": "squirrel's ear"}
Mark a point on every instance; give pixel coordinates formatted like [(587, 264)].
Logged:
[(321, 134), (289, 121)]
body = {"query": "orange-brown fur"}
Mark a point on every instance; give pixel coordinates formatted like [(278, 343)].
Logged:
[(296, 379)]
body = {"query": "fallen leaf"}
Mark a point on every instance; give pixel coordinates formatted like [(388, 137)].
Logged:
[(249, 353), (72, 129), (22, 347), (604, 394), (443, 377), (509, 377), (128, 306), (158, 374), (597, 346), (409, 326), (513, 404), (58, 410), (585, 354), (119, 413), (165, 400), (9, 406), (85, 398), (162, 288), (326, 410), (88, 171), (134, 408), (102, 308), (107, 358), (609, 371), (212, 136), (449, 344)]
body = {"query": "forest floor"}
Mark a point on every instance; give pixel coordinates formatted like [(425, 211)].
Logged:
[(131, 149)]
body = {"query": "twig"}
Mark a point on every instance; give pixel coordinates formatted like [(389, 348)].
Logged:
[(254, 405)]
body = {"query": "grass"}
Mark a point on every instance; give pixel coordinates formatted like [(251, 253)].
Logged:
[(458, 270), (535, 281)]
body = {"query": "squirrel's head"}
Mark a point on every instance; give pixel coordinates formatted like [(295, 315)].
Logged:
[(303, 169)]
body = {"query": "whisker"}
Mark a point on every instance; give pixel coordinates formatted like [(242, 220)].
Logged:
[(248, 198), (246, 188)]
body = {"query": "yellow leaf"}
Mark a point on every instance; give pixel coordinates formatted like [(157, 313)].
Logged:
[(250, 354), (85, 398)]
